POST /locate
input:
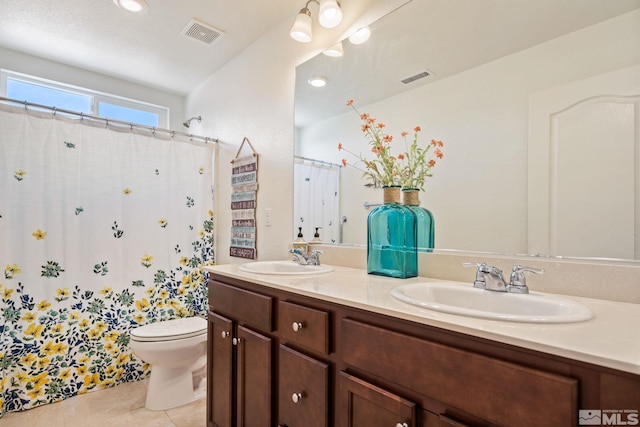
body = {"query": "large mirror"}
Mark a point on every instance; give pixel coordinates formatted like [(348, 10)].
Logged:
[(537, 104)]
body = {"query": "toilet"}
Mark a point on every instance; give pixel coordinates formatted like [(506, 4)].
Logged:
[(177, 352)]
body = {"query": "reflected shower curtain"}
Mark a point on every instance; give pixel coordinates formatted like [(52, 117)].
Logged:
[(101, 230), (316, 199)]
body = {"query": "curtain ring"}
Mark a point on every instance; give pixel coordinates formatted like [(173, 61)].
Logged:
[(54, 111), (153, 131), (131, 126), (81, 115), (173, 134)]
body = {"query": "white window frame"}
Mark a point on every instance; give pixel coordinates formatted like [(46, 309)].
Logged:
[(95, 96)]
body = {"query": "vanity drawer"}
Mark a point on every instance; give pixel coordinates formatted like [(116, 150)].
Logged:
[(305, 326), (501, 392), (245, 307)]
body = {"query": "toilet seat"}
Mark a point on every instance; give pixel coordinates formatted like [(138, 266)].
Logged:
[(170, 330)]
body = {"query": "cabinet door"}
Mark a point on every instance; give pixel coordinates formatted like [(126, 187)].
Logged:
[(303, 398), (254, 379), (220, 372), (363, 405)]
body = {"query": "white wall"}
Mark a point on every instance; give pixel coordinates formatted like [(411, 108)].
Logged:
[(39, 67), (478, 194), (252, 97)]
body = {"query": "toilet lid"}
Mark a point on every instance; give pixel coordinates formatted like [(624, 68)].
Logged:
[(170, 329)]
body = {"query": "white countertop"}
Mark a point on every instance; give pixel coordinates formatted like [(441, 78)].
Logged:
[(611, 338)]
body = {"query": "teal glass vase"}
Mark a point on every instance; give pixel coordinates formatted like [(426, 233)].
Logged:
[(391, 238), (425, 225)]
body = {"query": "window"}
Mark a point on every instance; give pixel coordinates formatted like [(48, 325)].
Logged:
[(46, 92)]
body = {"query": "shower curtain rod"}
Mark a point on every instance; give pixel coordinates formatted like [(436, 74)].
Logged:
[(322, 162), (55, 110)]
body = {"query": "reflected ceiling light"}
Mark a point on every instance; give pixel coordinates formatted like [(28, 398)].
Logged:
[(334, 51), (329, 16), (360, 36), (318, 81), (135, 6)]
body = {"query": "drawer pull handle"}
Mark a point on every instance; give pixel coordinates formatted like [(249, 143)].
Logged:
[(225, 334), (402, 425), (236, 341), (296, 397), (296, 326)]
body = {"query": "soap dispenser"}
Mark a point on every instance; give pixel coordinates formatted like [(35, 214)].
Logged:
[(300, 243), (316, 237)]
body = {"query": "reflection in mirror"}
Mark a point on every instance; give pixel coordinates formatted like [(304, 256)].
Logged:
[(536, 102)]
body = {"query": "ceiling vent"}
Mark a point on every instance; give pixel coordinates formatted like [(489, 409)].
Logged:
[(201, 32), (418, 76)]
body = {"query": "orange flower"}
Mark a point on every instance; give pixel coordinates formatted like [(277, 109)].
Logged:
[(344, 162), (339, 145), (366, 127), (403, 134), (431, 163), (380, 125), (401, 156), (377, 149), (438, 153), (387, 138), (417, 129), (349, 102)]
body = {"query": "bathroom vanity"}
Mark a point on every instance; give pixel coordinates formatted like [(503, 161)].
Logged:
[(336, 349)]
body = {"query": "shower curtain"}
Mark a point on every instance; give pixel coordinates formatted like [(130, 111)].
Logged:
[(316, 199), (102, 229)]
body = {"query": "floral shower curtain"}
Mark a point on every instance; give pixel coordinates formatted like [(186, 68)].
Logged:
[(102, 229), (316, 199)]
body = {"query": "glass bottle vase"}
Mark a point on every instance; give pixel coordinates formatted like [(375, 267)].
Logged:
[(391, 238), (425, 224)]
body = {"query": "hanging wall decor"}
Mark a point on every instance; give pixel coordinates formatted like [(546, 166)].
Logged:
[(244, 189)]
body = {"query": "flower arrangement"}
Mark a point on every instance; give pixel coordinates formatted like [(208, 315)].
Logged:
[(408, 169), (384, 170), (417, 167)]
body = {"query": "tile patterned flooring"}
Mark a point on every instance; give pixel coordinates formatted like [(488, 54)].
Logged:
[(118, 406)]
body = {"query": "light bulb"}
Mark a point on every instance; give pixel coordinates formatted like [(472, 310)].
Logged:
[(318, 81), (360, 36), (330, 14), (334, 51), (134, 6), (301, 30)]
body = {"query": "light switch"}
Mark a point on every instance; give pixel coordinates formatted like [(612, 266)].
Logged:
[(267, 217)]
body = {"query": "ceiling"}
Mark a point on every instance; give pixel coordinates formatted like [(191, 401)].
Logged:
[(444, 37), (145, 48)]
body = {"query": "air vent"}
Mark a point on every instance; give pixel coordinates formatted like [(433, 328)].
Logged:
[(201, 32), (418, 76)]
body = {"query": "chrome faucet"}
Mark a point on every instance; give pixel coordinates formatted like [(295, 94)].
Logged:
[(312, 258), (491, 279)]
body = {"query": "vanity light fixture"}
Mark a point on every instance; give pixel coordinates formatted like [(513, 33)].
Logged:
[(329, 16), (360, 36), (334, 51), (318, 81), (135, 6)]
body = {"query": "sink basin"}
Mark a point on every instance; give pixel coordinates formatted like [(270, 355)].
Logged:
[(284, 267), (465, 300)]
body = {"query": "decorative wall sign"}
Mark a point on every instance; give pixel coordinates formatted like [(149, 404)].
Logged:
[(244, 190)]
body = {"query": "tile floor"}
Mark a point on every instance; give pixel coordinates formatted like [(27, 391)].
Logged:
[(120, 406)]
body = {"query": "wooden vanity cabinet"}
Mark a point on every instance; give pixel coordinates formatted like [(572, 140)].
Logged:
[(303, 383), (309, 362), (240, 385)]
